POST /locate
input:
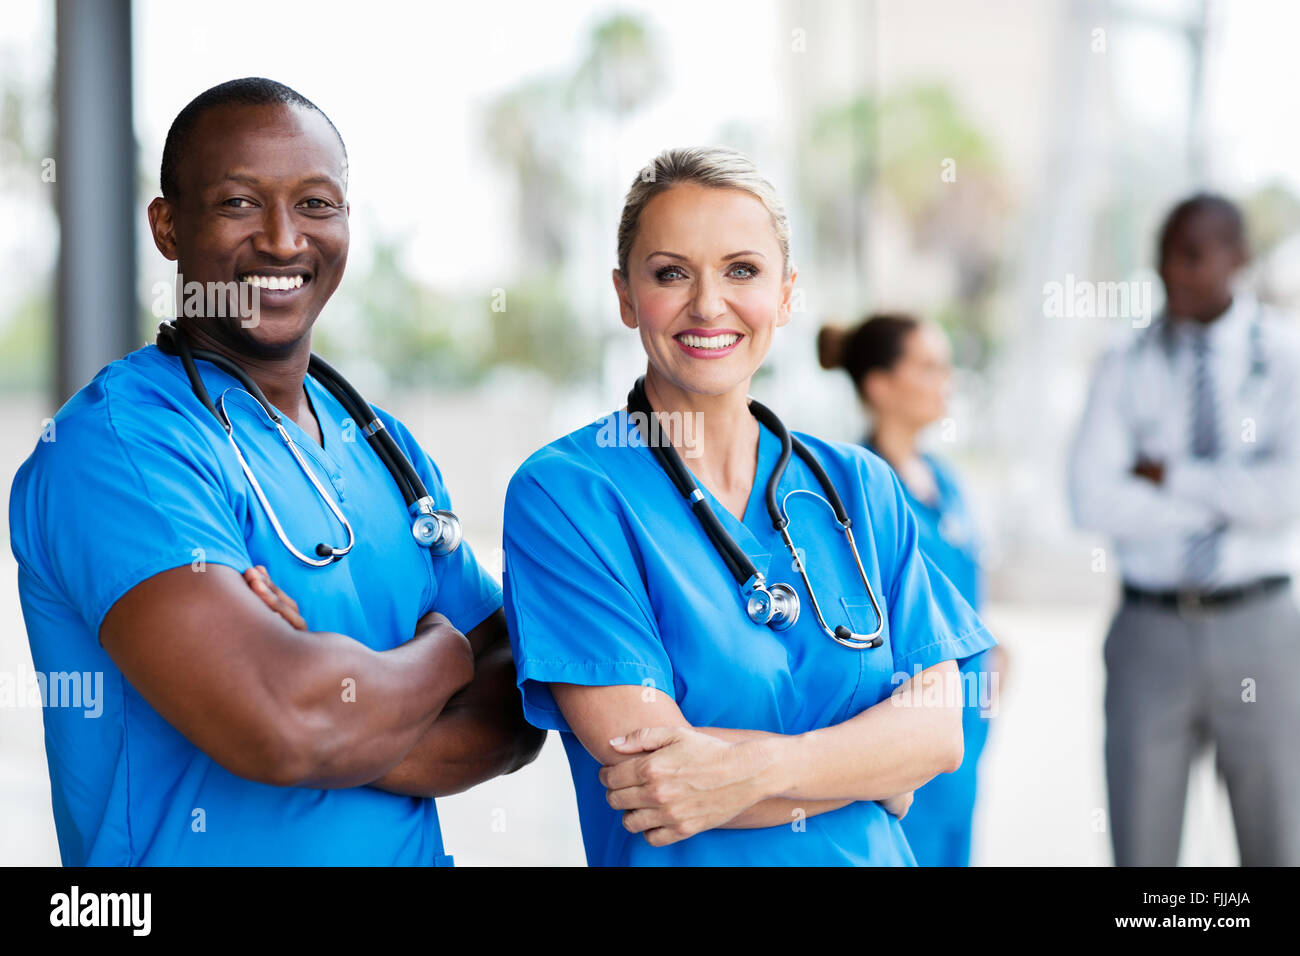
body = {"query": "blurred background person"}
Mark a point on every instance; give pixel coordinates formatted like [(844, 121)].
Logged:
[(1188, 456), (901, 372)]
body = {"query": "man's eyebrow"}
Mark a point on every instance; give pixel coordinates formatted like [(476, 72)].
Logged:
[(729, 256), (318, 179)]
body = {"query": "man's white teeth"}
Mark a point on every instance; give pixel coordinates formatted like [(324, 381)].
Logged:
[(710, 341), (275, 283)]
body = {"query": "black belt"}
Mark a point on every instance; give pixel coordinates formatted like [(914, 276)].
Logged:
[(1191, 599)]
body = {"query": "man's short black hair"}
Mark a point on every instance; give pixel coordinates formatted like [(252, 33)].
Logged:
[(1232, 226), (249, 91)]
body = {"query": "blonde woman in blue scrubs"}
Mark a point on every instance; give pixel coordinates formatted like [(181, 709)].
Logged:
[(901, 371), (695, 733)]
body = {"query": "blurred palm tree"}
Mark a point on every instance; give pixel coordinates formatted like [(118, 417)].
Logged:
[(622, 68), (912, 155), (26, 137), (534, 132)]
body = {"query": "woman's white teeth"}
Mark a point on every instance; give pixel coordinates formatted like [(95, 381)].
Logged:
[(275, 283), (709, 341)]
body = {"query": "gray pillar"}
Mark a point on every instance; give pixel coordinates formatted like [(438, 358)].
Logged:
[(95, 175)]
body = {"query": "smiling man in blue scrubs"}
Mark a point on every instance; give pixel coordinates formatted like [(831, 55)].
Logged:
[(228, 735)]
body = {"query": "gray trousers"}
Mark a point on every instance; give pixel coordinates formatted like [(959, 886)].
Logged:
[(1176, 683)]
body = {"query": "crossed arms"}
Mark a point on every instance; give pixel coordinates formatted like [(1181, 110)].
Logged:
[(228, 662), (672, 780)]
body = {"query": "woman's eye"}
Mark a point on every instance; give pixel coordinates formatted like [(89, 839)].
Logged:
[(667, 272), (748, 270)]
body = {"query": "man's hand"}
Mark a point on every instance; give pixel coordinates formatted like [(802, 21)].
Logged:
[(481, 733), (1150, 469), (260, 581)]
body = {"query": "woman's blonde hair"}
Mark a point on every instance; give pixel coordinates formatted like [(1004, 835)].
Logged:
[(714, 166)]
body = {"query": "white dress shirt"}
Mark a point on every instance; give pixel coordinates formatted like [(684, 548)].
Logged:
[(1141, 405)]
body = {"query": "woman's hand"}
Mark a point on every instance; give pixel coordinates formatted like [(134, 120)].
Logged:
[(686, 782), (275, 599), (898, 805)]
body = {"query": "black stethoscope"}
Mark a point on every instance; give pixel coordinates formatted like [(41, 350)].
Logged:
[(775, 605), (437, 530)]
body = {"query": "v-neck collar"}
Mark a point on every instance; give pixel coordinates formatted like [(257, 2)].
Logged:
[(757, 524), (316, 398)]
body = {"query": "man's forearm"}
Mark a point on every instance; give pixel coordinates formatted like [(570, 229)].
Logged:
[(361, 710), (480, 734)]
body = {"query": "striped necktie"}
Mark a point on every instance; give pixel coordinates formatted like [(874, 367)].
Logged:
[(1202, 554)]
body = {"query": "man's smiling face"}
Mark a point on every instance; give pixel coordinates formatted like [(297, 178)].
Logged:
[(261, 198)]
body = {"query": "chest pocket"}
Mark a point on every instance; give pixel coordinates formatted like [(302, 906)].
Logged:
[(862, 617)]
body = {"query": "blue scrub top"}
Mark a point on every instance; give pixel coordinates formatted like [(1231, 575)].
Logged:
[(938, 825), (609, 580), (140, 478)]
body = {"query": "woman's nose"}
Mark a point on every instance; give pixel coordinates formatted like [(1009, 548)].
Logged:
[(708, 302)]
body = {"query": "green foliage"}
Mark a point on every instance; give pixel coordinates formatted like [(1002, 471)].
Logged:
[(26, 339), (1272, 214), (537, 329)]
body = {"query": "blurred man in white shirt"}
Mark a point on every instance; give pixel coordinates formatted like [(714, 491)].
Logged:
[(1188, 456)]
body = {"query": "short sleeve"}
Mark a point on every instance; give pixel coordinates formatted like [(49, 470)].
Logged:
[(123, 492), (576, 608), (929, 620), (467, 593)]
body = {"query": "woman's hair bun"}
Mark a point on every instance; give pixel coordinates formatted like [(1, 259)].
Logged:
[(832, 341)]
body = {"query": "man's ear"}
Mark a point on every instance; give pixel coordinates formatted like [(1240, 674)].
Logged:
[(626, 311), (1242, 257), (163, 227)]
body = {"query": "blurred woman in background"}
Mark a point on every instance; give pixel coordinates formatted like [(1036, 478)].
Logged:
[(900, 369)]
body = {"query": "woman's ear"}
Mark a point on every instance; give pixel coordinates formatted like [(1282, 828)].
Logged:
[(626, 310), (787, 299), (873, 388)]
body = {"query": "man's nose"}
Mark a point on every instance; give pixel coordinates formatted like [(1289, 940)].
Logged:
[(279, 237)]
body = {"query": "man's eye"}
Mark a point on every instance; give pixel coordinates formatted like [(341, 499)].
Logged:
[(234, 202), (319, 203)]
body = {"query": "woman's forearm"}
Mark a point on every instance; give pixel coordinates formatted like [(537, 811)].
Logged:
[(893, 747), (774, 811)]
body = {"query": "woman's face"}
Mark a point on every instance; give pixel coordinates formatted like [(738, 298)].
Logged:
[(915, 390), (704, 287)]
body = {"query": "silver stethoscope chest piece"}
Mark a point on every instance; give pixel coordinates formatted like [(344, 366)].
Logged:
[(437, 530), (775, 605)]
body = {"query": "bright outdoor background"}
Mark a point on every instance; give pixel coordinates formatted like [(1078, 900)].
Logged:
[(490, 146)]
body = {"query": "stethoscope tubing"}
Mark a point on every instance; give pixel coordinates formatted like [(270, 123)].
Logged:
[(439, 530), (738, 563)]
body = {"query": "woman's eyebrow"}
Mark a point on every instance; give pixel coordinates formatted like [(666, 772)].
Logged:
[(732, 255)]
